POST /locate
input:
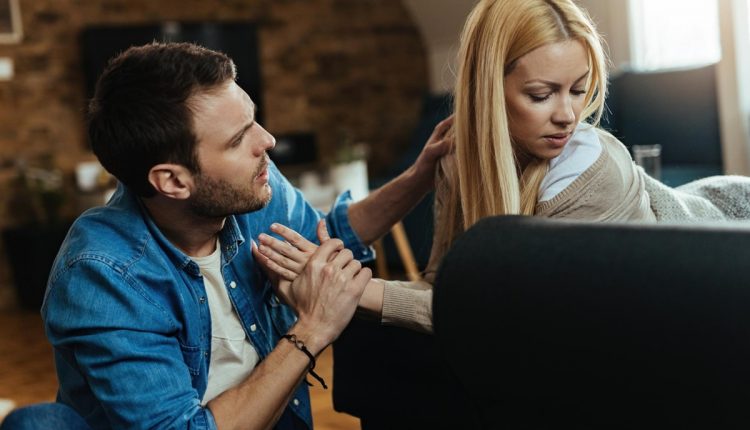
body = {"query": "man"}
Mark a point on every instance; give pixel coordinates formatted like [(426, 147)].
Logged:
[(159, 314)]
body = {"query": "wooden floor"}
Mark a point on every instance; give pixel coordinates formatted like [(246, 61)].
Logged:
[(27, 372)]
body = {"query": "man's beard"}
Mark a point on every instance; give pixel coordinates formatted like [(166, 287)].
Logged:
[(218, 198)]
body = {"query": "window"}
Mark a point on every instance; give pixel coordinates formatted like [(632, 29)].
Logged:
[(667, 34)]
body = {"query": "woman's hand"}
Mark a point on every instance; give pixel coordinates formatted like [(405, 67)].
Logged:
[(286, 259)]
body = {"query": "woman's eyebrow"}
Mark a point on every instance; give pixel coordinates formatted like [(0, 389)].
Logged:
[(554, 84)]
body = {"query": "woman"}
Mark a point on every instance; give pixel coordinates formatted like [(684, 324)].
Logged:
[(531, 73)]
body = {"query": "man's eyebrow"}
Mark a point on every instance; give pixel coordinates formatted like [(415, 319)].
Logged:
[(246, 127), (240, 133), (555, 84)]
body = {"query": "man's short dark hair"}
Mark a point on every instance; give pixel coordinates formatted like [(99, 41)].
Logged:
[(139, 116)]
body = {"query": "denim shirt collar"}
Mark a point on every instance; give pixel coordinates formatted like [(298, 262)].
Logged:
[(230, 236)]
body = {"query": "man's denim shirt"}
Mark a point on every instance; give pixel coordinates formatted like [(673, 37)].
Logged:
[(127, 314)]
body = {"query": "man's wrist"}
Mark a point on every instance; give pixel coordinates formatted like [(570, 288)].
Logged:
[(421, 176), (300, 345), (310, 335)]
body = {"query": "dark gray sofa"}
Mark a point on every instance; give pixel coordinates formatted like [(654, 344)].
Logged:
[(542, 323)]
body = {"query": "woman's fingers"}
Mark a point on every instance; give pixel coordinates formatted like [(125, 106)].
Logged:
[(281, 271), (288, 258), (271, 267), (284, 248), (294, 238), (323, 231), (281, 260)]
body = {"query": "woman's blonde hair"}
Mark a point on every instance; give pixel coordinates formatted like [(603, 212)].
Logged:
[(498, 33)]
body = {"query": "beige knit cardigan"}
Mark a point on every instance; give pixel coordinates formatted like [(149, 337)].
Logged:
[(611, 189)]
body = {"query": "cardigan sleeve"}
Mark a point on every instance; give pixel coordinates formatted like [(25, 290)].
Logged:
[(409, 303)]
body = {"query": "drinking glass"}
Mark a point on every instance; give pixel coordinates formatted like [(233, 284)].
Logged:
[(649, 158)]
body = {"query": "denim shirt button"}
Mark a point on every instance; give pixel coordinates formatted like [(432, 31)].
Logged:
[(232, 284), (202, 300), (253, 327), (296, 402)]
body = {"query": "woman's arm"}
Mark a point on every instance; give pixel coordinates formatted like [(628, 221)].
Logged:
[(405, 304)]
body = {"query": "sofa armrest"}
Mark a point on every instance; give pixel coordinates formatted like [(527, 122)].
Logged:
[(554, 323)]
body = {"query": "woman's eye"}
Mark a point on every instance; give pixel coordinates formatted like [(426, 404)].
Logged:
[(578, 92), (537, 98)]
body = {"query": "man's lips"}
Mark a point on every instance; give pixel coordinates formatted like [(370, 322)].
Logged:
[(263, 175)]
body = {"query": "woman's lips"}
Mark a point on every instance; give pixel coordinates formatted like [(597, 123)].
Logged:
[(558, 140)]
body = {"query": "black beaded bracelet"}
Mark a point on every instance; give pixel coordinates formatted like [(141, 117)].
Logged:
[(301, 346)]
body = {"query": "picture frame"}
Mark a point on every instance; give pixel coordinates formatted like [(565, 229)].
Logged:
[(10, 21)]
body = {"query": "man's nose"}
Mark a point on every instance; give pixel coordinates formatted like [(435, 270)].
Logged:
[(267, 141)]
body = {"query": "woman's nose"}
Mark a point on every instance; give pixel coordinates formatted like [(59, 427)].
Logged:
[(564, 114)]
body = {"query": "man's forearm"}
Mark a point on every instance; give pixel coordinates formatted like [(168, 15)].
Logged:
[(374, 216), (259, 401)]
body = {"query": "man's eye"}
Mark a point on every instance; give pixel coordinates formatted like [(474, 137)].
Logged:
[(238, 141)]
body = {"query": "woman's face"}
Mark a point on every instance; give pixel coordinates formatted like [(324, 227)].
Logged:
[(545, 94)]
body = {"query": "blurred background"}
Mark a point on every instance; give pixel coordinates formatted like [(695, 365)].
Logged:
[(337, 82)]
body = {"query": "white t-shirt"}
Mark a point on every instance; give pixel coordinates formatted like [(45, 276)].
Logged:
[(233, 357), (578, 155)]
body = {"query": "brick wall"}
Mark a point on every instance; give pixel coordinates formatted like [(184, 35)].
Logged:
[(325, 64)]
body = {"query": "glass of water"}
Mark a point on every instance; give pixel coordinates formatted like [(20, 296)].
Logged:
[(649, 158)]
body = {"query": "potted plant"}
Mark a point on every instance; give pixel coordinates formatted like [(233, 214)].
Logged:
[(37, 201), (349, 171)]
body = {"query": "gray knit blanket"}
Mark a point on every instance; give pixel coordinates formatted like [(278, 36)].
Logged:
[(717, 198)]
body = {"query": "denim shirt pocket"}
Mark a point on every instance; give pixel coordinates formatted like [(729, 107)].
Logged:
[(192, 356)]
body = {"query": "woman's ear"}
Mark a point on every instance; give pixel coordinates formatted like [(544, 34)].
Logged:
[(171, 180)]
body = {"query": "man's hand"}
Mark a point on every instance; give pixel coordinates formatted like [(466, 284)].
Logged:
[(374, 215), (286, 259), (439, 144), (323, 284), (324, 294)]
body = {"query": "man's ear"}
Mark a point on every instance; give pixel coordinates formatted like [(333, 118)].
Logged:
[(171, 180)]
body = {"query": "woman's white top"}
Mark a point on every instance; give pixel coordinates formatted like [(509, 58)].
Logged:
[(579, 154)]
